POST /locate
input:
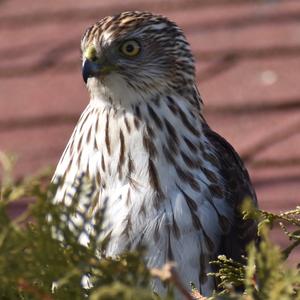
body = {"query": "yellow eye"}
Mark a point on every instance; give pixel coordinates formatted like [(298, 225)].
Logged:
[(130, 48)]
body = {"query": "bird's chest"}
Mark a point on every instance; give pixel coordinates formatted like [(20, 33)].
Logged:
[(149, 169), (151, 198), (155, 177)]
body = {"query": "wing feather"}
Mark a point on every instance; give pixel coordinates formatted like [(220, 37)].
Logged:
[(238, 186)]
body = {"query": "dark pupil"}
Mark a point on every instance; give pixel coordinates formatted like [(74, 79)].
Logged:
[(129, 48)]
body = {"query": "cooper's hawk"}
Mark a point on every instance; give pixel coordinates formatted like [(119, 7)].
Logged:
[(168, 181)]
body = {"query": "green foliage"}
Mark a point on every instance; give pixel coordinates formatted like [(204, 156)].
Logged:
[(264, 275), (41, 258)]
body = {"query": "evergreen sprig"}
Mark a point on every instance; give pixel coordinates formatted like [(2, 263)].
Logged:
[(265, 276), (41, 257)]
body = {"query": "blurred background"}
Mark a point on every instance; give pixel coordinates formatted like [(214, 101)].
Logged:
[(248, 69)]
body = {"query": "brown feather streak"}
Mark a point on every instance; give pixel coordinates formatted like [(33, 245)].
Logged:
[(154, 116), (188, 177), (187, 123), (149, 146), (153, 178), (122, 154), (107, 141)]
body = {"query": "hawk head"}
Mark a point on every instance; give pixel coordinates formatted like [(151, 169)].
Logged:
[(134, 56)]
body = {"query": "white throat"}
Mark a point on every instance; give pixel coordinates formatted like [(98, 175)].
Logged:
[(115, 90)]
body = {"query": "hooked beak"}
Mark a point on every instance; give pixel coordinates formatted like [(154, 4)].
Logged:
[(91, 69), (94, 66)]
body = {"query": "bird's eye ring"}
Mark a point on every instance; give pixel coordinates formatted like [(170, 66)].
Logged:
[(130, 48)]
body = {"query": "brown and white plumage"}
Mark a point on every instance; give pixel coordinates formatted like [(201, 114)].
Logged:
[(167, 180)]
